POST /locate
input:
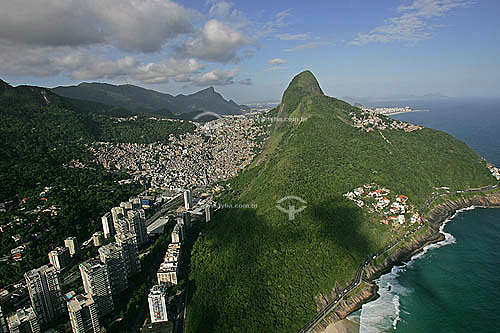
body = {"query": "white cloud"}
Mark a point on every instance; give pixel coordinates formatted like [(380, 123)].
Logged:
[(80, 65), (179, 71), (217, 42), (224, 11), (308, 46), (142, 25), (293, 36), (217, 78), (131, 25), (23, 60), (94, 68), (413, 24), (131, 68), (277, 61), (276, 68), (112, 39)]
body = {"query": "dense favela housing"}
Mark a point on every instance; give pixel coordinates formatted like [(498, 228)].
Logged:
[(215, 151)]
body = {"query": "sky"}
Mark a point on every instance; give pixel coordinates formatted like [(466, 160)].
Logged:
[(250, 50)]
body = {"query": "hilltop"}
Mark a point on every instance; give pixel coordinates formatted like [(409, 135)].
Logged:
[(137, 99), (257, 270)]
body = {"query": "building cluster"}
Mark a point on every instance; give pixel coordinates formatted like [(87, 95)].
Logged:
[(167, 274), (215, 151), (219, 148), (169, 268), (494, 171), (387, 110), (104, 277), (375, 198), (370, 121)]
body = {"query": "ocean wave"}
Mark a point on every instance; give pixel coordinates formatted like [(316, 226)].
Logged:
[(396, 303), (383, 314)]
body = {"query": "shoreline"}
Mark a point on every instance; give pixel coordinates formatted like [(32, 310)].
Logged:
[(437, 218), (402, 112)]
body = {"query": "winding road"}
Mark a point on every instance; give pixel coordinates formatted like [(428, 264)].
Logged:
[(359, 273)]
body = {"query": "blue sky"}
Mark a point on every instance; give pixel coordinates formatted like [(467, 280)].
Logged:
[(250, 50)]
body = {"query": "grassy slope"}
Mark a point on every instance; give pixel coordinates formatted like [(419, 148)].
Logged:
[(254, 270)]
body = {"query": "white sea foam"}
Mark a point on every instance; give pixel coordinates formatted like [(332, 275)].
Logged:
[(383, 314), (396, 303)]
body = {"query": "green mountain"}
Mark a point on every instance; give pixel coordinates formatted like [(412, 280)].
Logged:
[(257, 270), (137, 99), (40, 131)]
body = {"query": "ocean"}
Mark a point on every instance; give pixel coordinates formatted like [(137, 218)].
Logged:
[(454, 285)]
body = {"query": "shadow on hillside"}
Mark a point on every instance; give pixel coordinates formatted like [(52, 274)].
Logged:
[(234, 281), (340, 222)]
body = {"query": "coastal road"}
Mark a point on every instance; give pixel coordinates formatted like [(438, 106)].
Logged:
[(359, 273)]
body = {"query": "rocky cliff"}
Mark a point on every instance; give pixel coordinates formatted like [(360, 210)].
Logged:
[(435, 217)]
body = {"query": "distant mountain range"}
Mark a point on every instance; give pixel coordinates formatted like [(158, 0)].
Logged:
[(137, 99)]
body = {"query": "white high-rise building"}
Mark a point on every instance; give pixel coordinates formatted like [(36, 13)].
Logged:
[(59, 257), (72, 244), (97, 284), (188, 198), (97, 238), (178, 233), (137, 225), (121, 225), (136, 202), (167, 273), (112, 256), (108, 228), (117, 213), (208, 213), (23, 321), (128, 245), (45, 293), (83, 314), (126, 205), (158, 301)]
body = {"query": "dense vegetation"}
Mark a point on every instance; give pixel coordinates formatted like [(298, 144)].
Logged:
[(254, 269), (40, 134), (39, 131)]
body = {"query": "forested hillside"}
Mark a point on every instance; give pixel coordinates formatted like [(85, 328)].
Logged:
[(256, 270)]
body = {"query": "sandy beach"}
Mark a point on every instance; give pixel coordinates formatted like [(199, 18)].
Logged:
[(342, 326)]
